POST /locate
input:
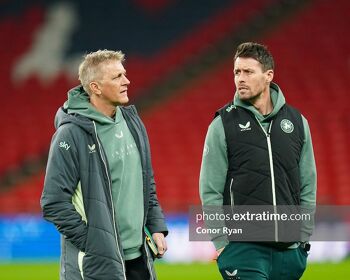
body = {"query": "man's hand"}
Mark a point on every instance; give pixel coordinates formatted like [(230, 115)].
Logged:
[(159, 239)]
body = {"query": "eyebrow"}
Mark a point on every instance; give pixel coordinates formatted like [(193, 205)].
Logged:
[(119, 73), (243, 69)]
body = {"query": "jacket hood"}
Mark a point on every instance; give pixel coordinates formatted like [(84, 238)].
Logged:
[(78, 102), (277, 98), (78, 110), (62, 117), (76, 96)]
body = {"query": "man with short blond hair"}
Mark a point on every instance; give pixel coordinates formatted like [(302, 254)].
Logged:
[(90, 66), (99, 188)]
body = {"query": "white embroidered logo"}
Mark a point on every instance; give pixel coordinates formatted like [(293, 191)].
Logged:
[(92, 148), (229, 108), (120, 135), (233, 275), (245, 127), (287, 126), (64, 145)]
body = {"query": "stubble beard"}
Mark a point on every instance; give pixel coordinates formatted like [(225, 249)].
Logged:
[(251, 98)]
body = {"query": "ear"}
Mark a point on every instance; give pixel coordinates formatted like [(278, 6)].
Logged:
[(95, 88), (269, 76)]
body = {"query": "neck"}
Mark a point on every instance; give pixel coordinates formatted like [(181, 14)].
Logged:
[(263, 103), (104, 108)]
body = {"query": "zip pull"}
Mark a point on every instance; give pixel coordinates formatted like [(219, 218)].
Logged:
[(269, 130)]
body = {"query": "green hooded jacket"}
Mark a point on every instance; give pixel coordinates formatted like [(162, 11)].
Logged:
[(77, 197), (125, 167)]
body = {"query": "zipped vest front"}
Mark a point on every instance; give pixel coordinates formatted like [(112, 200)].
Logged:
[(263, 167)]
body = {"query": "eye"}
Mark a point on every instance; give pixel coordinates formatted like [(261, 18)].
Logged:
[(117, 76)]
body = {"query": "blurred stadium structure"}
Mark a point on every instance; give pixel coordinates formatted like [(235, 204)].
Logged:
[(179, 61)]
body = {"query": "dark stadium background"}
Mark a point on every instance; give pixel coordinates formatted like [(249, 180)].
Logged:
[(179, 60)]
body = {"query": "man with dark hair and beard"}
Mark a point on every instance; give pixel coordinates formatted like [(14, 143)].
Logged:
[(258, 151)]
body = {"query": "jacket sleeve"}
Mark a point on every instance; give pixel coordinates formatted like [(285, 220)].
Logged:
[(214, 165), (213, 174), (60, 183), (308, 182), (307, 169), (155, 220)]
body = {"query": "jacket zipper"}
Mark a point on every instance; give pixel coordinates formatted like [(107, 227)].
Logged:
[(81, 256), (110, 193), (273, 186), (231, 194)]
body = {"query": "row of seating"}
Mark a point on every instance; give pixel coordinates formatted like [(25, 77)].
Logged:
[(311, 68), (27, 118), (32, 103)]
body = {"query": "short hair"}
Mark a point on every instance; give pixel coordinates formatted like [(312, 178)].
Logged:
[(88, 68), (258, 52)]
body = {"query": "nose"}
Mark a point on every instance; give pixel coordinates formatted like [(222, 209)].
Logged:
[(239, 78), (126, 81)]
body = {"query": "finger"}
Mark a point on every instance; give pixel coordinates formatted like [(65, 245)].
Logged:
[(159, 244), (165, 246), (161, 250)]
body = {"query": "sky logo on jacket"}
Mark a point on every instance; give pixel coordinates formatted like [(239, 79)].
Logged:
[(229, 108), (64, 145)]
